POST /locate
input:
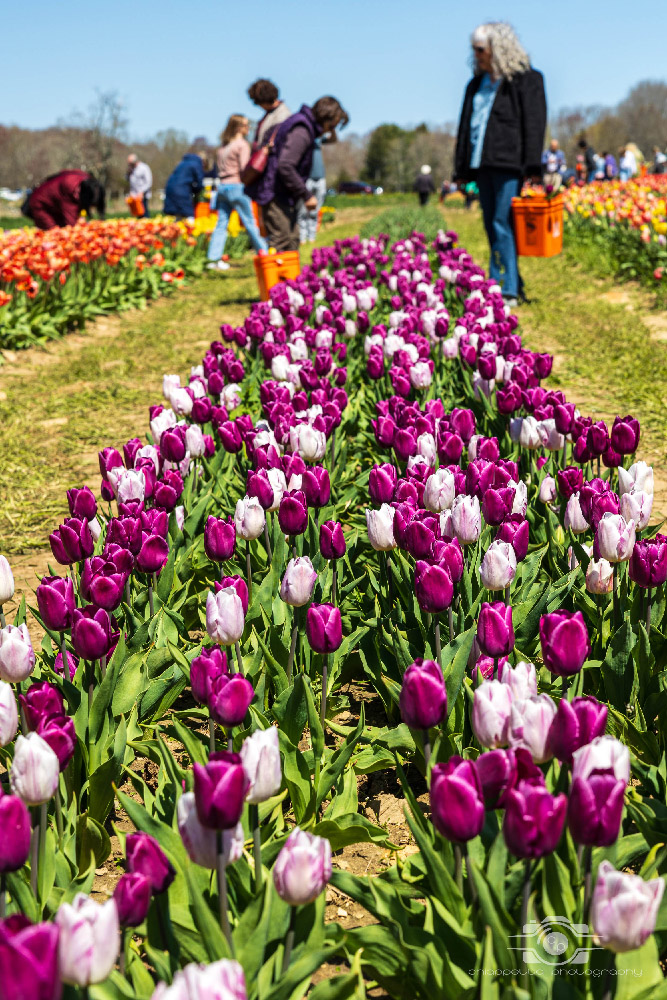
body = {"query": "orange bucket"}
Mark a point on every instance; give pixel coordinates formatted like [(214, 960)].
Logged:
[(136, 205), (259, 219), (202, 210), (275, 267), (538, 225)]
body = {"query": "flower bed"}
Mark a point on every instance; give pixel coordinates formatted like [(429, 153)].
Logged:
[(627, 222), (366, 482), (51, 281)]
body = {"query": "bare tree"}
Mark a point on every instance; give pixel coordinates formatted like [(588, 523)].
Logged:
[(101, 132)]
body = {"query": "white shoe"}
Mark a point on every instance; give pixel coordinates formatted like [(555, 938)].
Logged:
[(218, 265)]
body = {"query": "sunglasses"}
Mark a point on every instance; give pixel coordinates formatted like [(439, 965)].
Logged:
[(478, 48)]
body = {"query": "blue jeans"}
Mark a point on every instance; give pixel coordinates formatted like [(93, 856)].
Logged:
[(496, 190), (228, 198), (147, 213)]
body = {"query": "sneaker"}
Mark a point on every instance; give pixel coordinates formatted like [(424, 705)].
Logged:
[(218, 265), (510, 302)]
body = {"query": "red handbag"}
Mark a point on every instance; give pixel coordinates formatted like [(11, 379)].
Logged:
[(256, 165)]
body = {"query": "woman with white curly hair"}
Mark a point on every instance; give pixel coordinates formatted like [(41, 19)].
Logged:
[(500, 140)]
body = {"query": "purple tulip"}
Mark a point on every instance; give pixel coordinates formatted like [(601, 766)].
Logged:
[(219, 538), (41, 700), (316, 486), (55, 600), (324, 628), (515, 530), (577, 722), (153, 554), (133, 897), (144, 855), (204, 670), (76, 538), (625, 435), (569, 481), (105, 587), (497, 505), (462, 422), (82, 503), (16, 831), (125, 532), (565, 642), (595, 809), (91, 632), (172, 444), (648, 562), (220, 789), (495, 632), (155, 522), (59, 732), (332, 540), (423, 698), (109, 459), (259, 485), (534, 820), (433, 587), (29, 960), (72, 664), (293, 513), (457, 803), (382, 483), (497, 773), (230, 699)]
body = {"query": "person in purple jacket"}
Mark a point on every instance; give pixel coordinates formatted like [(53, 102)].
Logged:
[(282, 186)]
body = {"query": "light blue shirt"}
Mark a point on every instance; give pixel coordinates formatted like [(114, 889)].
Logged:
[(482, 103)]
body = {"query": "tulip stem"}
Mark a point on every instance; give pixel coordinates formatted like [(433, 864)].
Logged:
[(42, 839), (151, 606), (615, 595), (469, 879), (648, 611), (507, 594), (103, 666), (333, 448), (257, 846), (427, 747), (34, 855), (323, 706), (63, 654), (452, 631), (59, 815), (121, 960), (334, 600), (289, 940), (230, 741), (292, 649), (3, 896), (239, 658), (588, 878), (248, 570), (91, 686), (458, 867), (525, 899), (211, 735), (3, 621), (222, 893), (390, 584), (269, 554), (128, 598), (438, 645)]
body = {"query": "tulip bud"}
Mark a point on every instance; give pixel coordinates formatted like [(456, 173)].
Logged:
[(497, 772), (17, 657), (249, 518), (533, 821), (144, 855), (40, 701), (565, 642), (491, 713), (604, 754), (466, 519), (204, 669), (332, 540), (224, 616), (9, 720), (457, 802), (220, 790), (260, 756), (599, 577), (576, 723), (595, 809), (648, 562), (91, 633), (380, 526), (615, 537), (303, 868), (298, 582), (324, 628), (293, 513), (382, 483), (423, 699), (132, 896), (229, 699), (29, 960), (530, 725), (439, 491), (219, 538), (433, 586), (89, 940), (548, 489), (624, 908), (15, 843), (6, 581), (34, 772), (522, 679), (59, 732), (498, 567), (495, 632), (200, 842)]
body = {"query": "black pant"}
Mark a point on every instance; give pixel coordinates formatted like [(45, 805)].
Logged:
[(423, 197), (280, 222)]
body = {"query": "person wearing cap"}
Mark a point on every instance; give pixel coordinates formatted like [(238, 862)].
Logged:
[(140, 179), (424, 185)]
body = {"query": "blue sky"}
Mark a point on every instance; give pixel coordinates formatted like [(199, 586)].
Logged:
[(188, 65)]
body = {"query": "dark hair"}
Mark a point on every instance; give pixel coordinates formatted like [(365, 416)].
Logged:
[(263, 92), (582, 144), (329, 114), (92, 195)]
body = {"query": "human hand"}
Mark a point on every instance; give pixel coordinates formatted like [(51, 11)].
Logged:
[(310, 203)]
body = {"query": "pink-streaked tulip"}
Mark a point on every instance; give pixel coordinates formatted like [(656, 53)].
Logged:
[(224, 616), (239, 585), (498, 567), (311, 444), (89, 940), (439, 491), (34, 771), (9, 719), (380, 526), (249, 518), (17, 657), (522, 679), (548, 489), (466, 519), (599, 577), (615, 537), (423, 698), (530, 725), (639, 476), (492, 713), (637, 506), (574, 516), (303, 868), (296, 588), (624, 908), (260, 755), (6, 581), (603, 755), (200, 842), (565, 642), (457, 801)]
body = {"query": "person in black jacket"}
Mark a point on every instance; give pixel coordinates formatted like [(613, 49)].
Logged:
[(424, 185), (500, 140)]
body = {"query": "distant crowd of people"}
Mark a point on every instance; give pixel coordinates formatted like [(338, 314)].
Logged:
[(591, 166)]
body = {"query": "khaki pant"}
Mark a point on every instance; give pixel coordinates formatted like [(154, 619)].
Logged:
[(554, 179), (280, 222)]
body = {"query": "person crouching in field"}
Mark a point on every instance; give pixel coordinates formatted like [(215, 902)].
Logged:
[(61, 198)]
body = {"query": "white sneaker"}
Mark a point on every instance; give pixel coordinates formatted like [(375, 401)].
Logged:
[(218, 265)]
